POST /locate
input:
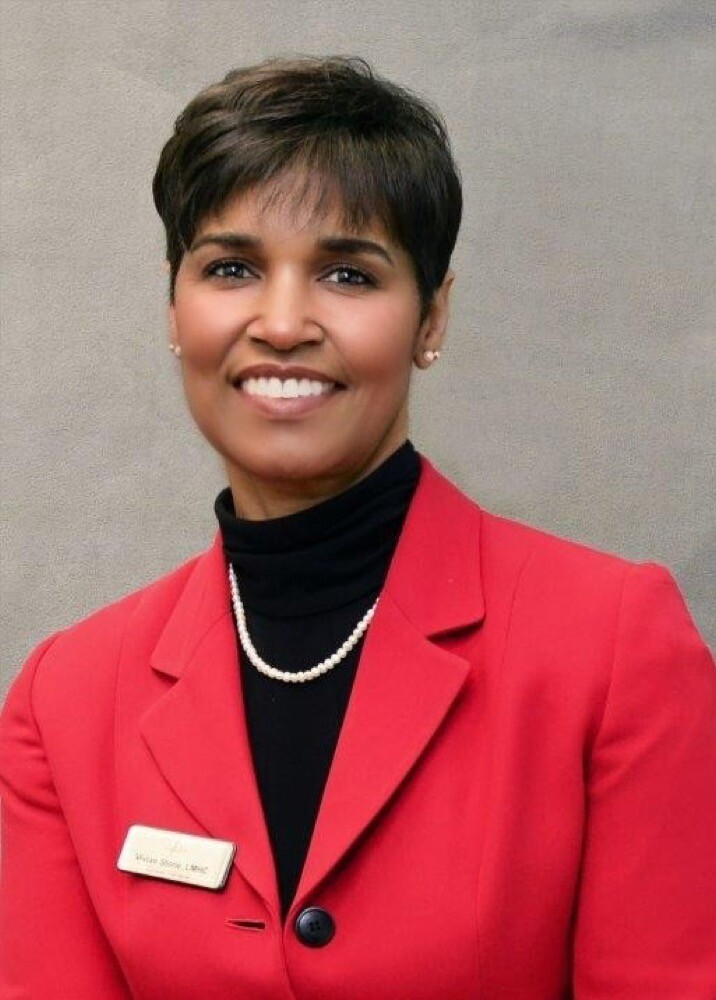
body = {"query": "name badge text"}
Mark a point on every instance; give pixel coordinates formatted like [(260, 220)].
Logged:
[(177, 857)]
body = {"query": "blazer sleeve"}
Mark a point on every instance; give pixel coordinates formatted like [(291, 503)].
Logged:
[(51, 942), (645, 921)]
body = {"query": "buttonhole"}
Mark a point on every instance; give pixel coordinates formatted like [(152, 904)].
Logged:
[(249, 925)]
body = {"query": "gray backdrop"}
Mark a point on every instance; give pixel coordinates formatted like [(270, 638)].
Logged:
[(576, 391)]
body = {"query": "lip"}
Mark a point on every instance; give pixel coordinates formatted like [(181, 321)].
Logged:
[(277, 409), (283, 372), (284, 408)]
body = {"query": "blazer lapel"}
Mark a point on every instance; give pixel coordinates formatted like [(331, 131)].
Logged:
[(406, 683), (404, 688), (197, 732)]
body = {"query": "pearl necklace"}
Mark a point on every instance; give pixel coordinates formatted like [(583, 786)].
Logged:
[(293, 677)]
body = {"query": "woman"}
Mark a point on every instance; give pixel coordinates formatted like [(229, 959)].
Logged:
[(376, 742)]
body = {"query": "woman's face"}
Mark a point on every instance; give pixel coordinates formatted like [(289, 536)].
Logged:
[(297, 340)]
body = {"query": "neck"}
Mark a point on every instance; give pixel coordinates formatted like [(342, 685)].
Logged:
[(328, 555)]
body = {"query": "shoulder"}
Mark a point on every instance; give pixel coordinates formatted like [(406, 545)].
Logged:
[(596, 627), (82, 658), (107, 625), (550, 582), (504, 538), (560, 586), (549, 552)]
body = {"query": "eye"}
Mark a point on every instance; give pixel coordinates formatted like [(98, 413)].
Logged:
[(227, 269), (346, 274)]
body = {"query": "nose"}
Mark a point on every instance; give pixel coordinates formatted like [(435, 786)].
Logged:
[(283, 317)]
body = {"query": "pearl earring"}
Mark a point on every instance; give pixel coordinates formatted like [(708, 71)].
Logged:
[(175, 349), (431, 356)]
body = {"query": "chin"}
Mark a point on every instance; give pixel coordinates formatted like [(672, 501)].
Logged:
[(295, 463)]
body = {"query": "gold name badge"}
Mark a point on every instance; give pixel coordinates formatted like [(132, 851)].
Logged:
[(177, 857)]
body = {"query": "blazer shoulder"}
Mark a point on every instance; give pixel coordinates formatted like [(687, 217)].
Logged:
[(514, 553), (550, 553), (554, 579), (510, 540), (85, 653)]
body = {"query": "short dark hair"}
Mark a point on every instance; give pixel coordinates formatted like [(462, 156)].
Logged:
[(382, 149)]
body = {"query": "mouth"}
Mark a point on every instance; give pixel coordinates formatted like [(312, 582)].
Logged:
[(286, 397), (290, 388)]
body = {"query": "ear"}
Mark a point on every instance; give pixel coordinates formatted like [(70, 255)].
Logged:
[(434, 327)]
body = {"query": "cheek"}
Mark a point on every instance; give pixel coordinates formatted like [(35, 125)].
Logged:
[(380, 348), (205, 328)]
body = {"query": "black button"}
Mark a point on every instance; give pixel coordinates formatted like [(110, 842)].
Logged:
[(314, 927)]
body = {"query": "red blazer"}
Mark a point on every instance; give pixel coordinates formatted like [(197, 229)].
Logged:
[(522, 803)]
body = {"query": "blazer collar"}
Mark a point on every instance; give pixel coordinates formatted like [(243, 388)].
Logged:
[(434, 576), (435, 573), (405, 686)]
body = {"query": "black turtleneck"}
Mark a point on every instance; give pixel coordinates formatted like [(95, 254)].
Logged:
[(306, 580)]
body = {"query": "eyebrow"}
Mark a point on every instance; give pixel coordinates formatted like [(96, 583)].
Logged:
[(338, 244)]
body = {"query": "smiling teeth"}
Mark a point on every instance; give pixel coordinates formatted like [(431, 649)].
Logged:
[(292, 388)]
